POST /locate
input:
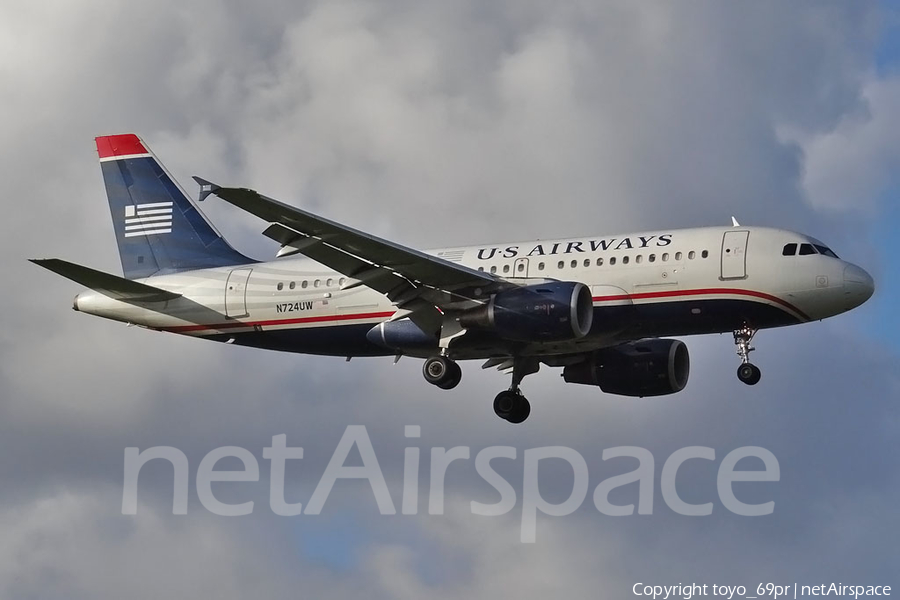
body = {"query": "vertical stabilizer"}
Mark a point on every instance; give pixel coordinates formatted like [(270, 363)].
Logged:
[(158, 228)]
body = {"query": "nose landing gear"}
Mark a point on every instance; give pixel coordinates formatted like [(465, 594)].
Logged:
[(747, 372)]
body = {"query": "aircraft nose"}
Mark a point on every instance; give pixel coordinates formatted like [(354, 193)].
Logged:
[(858, 285)]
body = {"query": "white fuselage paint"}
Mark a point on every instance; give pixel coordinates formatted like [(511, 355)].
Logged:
[(679, 266)]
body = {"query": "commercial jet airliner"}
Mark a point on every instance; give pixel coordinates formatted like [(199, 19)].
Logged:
[(598, 307)]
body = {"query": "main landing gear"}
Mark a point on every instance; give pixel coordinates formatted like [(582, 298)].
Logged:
[(442, 372), (509, 405), (747, 372)]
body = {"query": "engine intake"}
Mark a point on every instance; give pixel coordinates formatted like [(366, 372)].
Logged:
[(551, 312), (652, 367)]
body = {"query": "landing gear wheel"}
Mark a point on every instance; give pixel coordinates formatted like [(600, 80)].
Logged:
[(749, 374), (512, 406), (442, 372)]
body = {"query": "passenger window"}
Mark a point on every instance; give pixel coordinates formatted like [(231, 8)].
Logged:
[(807, 249), (506, 268), (329, 282), (639, 258), (587, 262), (521, 267), (560, 265), (494, 269), (304, 284), (292, 285), (665, 257), (599, 262), (705, 254), (625, 260), (678, 255), (612, 260), (341, 281), (789, 250), (574, 263), (691, 255), (316, 283), (280, 286), (540, 266), (481, 268), (652, 258)]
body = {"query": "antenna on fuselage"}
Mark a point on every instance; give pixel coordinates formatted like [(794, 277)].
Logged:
[(734, 222)]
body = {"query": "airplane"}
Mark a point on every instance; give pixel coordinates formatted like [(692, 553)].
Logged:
[(602, 308)]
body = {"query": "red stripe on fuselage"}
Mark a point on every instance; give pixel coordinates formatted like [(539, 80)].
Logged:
[(705, 292), (385, 315), (119, 145), (298, 321)]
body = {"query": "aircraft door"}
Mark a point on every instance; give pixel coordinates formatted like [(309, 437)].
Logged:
[(734, 254), (236, 293), (520, 267)]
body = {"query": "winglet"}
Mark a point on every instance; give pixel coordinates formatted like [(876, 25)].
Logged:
[(206, 188), (734, 222)]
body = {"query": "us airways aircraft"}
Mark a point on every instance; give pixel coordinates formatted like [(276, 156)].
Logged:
[(597, 307)]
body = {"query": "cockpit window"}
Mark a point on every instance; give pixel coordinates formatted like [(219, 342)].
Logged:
[(790, 250), (826, 251), (807, 249)]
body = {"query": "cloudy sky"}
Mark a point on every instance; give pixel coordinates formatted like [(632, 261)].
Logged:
[(441, 123)]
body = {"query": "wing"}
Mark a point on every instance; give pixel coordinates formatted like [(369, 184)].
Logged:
[(420, 285)]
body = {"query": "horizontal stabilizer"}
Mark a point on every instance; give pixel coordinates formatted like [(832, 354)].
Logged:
[(109, 285)]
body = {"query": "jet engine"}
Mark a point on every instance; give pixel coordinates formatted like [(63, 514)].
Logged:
[(652, 367), (549, 312)]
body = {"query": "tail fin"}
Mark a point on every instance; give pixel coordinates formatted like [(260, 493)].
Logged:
[(158, 228)]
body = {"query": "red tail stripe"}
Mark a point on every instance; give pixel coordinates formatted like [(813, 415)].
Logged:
[(119, 145)]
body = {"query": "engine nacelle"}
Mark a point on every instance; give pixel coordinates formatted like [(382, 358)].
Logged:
[(401, 335), (652, 367), (548, 312)]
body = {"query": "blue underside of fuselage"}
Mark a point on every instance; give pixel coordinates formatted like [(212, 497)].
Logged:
[(625, 323)]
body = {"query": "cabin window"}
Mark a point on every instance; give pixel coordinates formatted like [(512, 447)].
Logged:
[(341, 281), (625, 260), (705, 254), (612, 260), (692, 255), (520, 267), (678, 255), (807, 249), (481, 268), (599, 262), (316, 283), (639, 258), (292, 285), (506, 268), (560, 265), (574, 263), (280, 286), (789, 250), (304, 284), (494, 269), (329, 282), (540, 266), (665, 257)]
